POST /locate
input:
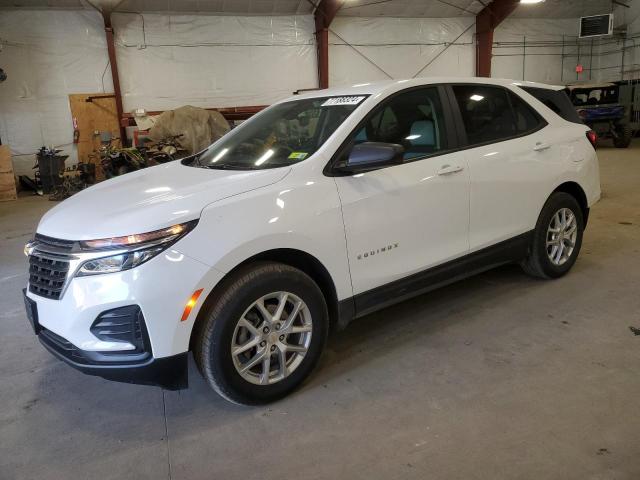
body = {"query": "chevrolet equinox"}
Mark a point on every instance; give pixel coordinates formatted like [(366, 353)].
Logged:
[(320, 209)]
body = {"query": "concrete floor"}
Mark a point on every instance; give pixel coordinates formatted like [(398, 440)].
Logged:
[(500, 376)]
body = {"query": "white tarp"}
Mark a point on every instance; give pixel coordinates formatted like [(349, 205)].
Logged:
[(384, 47), (399, 46), (213, 61), (543, 55)]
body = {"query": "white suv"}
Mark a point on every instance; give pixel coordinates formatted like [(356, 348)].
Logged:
[(320, 209)]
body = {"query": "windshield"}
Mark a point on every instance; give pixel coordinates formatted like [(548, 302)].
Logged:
[(282, 135), (595, 96)]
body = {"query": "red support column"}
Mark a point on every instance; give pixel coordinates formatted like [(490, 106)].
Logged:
[(111, 50), (324, 14), (322, 37), (486, 21)]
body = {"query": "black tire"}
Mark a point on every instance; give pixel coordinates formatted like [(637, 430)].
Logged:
[(213, 338), (623, 140), (538, 263), (122, 170)]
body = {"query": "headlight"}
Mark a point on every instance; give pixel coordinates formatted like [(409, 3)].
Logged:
[(131, 250), (165, 235)]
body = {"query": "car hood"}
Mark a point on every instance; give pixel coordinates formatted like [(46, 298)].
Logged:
[(149, 199)]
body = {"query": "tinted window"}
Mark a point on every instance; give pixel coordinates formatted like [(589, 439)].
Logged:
[(486, 113), (527, 119), (556, 100), (413, 119)]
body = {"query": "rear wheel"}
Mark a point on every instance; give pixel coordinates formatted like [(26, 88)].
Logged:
[(263, 334), (557, 238), (623, 138)]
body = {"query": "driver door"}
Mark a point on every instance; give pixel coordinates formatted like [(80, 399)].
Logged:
[(404, 219)]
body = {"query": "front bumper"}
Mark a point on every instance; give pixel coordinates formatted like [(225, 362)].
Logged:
[(160, 288), (168, 372)]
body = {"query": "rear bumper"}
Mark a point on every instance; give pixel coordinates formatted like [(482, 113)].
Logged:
[(167, 372)]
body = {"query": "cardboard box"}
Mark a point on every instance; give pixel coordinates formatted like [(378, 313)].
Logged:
[(7, 179)]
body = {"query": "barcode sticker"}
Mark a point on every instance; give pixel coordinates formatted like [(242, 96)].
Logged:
[(342, 101)]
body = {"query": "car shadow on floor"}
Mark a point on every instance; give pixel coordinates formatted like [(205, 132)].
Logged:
[(366, 338)]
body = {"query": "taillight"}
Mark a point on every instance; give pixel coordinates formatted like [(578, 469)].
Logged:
[(592, 137)]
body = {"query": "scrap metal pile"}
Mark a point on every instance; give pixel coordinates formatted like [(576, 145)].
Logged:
[(175, 134)]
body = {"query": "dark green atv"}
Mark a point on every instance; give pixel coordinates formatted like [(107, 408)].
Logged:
[(608, 109)]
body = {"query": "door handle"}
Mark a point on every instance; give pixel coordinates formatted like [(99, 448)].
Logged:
[(448, 169), (541, 146)]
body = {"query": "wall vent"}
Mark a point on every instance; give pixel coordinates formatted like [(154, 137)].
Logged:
[(596, 25)]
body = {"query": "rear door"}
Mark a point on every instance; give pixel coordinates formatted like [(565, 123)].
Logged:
[(510, 158)]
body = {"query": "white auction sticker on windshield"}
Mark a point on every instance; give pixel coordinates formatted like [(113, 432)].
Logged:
[(342, 101)]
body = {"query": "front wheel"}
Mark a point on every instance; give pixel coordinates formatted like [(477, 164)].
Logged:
[(263, 334), (557, 238)]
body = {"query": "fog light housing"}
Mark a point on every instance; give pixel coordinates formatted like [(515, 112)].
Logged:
[(125, 325)]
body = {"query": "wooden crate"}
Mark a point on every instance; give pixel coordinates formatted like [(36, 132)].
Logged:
[(7, 179)]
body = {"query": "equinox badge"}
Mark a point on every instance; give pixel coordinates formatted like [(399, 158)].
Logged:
[(377, 251)]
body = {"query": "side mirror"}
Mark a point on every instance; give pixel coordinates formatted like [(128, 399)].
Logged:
[(371, 155)]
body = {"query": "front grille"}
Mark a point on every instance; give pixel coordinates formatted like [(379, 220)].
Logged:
[(47, 276), (48, 266)]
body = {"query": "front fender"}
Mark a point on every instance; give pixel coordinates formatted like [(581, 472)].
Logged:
[(297, 214)]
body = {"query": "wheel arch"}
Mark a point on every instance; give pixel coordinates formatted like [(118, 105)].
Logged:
[(576, 191), (299, 259)]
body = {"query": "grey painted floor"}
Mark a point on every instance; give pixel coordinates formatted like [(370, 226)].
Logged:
[(497, 377)]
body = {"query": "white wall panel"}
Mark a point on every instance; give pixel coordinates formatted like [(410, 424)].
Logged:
[(208, 61), (400, 47), (47, 55), (541, 63)]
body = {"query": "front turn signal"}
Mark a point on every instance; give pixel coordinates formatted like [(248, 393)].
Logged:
[(190, 304)]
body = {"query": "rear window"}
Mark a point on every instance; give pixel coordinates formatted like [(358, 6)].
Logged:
[(491, 113), (556, 100)]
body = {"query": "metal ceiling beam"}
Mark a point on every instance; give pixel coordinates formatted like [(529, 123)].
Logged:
[(486, 21), (324, 13)]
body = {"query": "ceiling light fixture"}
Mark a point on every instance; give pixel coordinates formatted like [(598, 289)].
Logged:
[(531, 1)]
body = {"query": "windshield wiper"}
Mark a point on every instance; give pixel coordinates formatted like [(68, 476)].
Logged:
[(229, 166), (195, 160)]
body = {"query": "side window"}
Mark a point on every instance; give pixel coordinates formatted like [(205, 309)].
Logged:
[(526, 119), (413, 119), (486, 113)]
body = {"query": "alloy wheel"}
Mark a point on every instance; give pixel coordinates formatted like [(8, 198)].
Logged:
[(561, 236), (271, 338)]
